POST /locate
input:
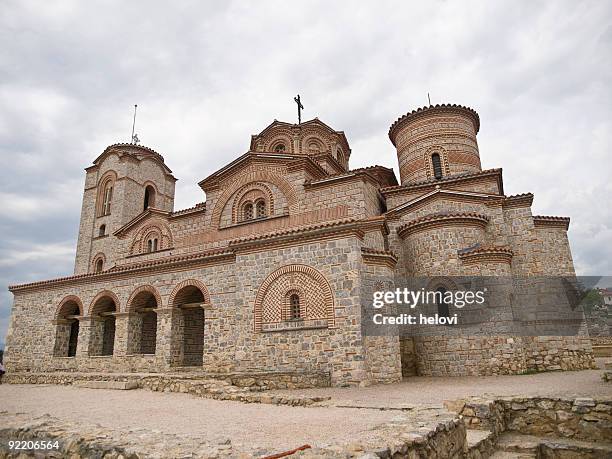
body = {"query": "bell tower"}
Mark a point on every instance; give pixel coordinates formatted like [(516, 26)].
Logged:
[(436, 141), (123, 182)]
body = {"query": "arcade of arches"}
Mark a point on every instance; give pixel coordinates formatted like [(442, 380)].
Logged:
[(141, 322)]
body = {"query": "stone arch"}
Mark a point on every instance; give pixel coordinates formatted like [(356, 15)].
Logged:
[(250, 177), (131, 305), (99, 296), (277, 140), (317, 295), (316, 138), (427, 160), (96, 259), (188, 283), (109, 178), (241, 194), (151, 195), (67, 327), (102, 331), (317, 134), (142, 321), (156, 228), (188, 322), (69, 299)]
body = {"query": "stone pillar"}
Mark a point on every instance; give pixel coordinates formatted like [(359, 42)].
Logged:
[(211, 335), (134, 330), (85, 336), (120, 348), (62, 336), (164, 338)]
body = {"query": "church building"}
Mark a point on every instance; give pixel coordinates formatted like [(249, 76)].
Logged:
[(268, 274)]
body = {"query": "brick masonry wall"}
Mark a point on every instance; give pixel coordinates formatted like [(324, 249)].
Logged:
[(451, 134)]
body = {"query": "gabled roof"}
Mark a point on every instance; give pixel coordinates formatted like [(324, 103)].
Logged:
[(431, 183), (140, 218), (316, 122), (251, 156), (379, 175), (464, 195), (138, 152)]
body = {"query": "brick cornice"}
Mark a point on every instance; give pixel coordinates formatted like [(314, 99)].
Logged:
[(540, 221), (211, 257), (517, 201), (293, 236), (199, 207), (431, 184), (496, 254), (441, 221), (378, 257), (360, 175)]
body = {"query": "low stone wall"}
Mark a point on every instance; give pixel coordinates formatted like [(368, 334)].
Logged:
[(273, 381), (185, 383), (581, 418), (254, 381), (431, 433), (500, 355)]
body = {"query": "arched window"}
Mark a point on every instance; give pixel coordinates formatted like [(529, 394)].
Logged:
[(102, 231), (248, 211), (294, 307), (437, 165), (280, 148), (260, 208), (314, 147), (152, 245), (149, 197), (99, 265), (108, 197), (443, 310)]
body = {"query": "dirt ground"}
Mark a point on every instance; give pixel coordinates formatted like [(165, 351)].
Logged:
[(263, 425), (427, 391)]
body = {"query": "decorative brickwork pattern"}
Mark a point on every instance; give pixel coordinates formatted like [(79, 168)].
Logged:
[(316, 298)]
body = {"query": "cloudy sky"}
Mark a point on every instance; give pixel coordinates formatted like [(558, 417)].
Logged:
[(208, 75)]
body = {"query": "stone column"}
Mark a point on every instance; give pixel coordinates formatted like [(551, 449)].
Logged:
[(211, 336), (62, 336), (120, 348), (85, 336), (164, 338)]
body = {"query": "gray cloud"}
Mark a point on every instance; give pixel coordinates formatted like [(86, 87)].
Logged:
[(208, 75)]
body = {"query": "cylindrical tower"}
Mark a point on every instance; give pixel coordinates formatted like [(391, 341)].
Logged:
[(436, 141)]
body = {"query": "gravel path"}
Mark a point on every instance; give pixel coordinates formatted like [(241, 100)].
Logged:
[(251, 425), (426, 391)]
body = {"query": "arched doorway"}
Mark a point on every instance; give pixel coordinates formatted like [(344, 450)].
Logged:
[(188, 327), (67, 328), (102, 339), (142, 324)]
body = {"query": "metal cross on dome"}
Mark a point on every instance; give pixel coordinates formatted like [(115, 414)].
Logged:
[(300, 107)]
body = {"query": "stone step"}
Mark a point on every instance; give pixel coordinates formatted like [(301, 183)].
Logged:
[(512, 442), (511, 455), (481, 443), (518, 443), (114, 385)]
